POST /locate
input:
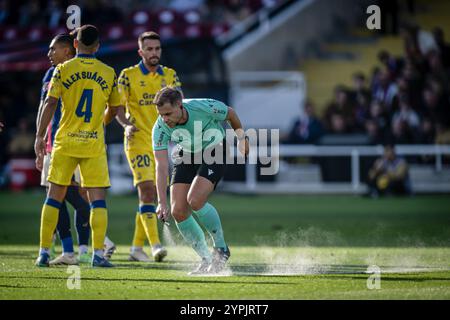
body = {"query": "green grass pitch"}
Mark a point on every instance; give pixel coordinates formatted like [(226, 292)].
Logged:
[(283, 247)]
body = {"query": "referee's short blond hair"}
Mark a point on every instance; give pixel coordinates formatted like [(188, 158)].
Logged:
[(167, 94)]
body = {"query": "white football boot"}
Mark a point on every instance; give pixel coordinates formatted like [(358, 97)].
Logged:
[(158, 253), (64, 260), (138, 255)]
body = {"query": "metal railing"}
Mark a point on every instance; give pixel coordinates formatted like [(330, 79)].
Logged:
[(355, 185)]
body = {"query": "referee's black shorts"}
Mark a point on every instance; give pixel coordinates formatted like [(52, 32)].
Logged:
[(186, 172)]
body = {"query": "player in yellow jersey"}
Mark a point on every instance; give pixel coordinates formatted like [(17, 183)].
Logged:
[(86, 87), (138, 86)]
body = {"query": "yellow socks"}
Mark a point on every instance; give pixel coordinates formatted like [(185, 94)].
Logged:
[(49, 220), (139, 232), (148, 219), (99, 223)]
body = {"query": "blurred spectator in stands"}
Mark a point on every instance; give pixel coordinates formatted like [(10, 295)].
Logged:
[(360, 85), (375, 80), (401, 133), (389, 175), (374, 132), (340, 113), (236, 11), (418, 43), (426, 133), (22, 141), (55, 14), (378, 114), (436, 106), (386, 91), (360, 96), (425, 41), (30, 14), (442, 134), (437, 69), (406, 115), (307, 129), (444, 48), (411, 47), (7, 15), (1, 126), (403, 89), (404, 92), (337, 124), (392, 64), (362, 111), (415, 83), (377, 124)]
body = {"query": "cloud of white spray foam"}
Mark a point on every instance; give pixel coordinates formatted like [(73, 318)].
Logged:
[(293, 252), (173, 239), (168, 237)]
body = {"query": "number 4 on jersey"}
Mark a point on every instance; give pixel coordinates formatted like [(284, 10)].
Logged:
[(86, 98)]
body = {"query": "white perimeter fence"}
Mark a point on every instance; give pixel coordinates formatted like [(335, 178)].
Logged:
[(306, 178)]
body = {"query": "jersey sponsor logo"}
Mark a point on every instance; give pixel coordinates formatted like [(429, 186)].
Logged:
[(85, 75), (147, 99), (83, 134)]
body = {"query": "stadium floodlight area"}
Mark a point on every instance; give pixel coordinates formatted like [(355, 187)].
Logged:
[(433, 178), (257, 94)]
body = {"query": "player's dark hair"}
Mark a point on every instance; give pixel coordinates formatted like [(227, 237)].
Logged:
[(148, 35), (67, 40), (88, 35), (167, 94)]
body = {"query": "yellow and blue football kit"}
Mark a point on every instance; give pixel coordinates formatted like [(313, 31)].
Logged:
[(137, 88), (85, 86)]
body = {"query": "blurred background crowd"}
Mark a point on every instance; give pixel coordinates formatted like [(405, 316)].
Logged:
[(403, 98)]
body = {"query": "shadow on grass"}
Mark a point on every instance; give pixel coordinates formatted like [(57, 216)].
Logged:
[(17, 286), (199, 281), (390, 277)]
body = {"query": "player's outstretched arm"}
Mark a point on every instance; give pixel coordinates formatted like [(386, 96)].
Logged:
[(162, 168), (48, 111), (236, 124)]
